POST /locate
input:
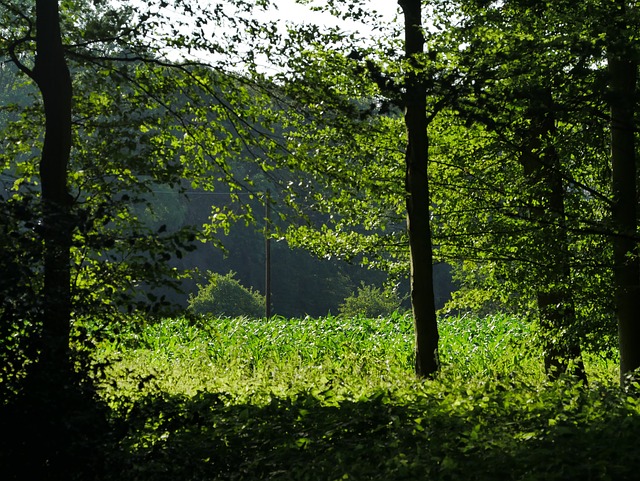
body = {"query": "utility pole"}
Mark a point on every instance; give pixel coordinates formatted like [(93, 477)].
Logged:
[(267, 256)]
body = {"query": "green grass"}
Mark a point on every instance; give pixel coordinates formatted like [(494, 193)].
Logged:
[(254, 358), (329, 399)]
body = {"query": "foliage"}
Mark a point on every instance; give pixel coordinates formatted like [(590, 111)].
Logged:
[(328, 398), (223, 295), (347, 151), (517, 100), (19, 249), (519, 155), (491, 430), (371, 302), (525, 202), (142, 125)]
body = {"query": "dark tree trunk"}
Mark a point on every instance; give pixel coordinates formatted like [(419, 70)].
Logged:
[(54, 81), (623, 77), (417, 191), (45, 415), (554, 297)]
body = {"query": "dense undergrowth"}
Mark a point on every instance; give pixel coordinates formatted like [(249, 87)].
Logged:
[(330, 399)]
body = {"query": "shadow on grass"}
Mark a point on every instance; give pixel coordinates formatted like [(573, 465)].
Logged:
[(54, 434), (207, 437)]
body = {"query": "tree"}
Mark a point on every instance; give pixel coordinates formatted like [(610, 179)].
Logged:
[(371, 302), (139, 121), (518, 100), (223, 295), (589, 216), (417, 195), (52, 370), (361, 169), (622, 70), (520, 179), (542, 168), (51, 75)]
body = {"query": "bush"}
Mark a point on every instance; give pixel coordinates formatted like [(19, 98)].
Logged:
[(371, 302), (225, 296)]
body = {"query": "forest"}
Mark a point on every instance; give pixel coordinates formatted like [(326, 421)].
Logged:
[(357, 245)]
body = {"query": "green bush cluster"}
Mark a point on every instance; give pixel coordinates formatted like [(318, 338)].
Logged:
[(224, 296), (371, 302)]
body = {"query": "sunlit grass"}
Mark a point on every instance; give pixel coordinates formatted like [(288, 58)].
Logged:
[(333, 398), (247, 357), (257, 359)]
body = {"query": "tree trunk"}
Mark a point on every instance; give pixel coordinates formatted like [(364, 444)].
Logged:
[(554, 297), (417, 191), (623, 75), (54, 81), (46, 428)]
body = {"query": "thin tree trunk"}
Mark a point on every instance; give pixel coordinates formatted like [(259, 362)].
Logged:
[(417, 191), (623, 76), (554, 297)]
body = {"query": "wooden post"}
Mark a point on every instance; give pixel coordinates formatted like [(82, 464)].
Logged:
[(267, 256)]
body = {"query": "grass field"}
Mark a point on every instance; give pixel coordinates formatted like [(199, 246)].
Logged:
[(330, 399)]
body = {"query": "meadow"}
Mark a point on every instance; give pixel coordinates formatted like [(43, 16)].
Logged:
[(334, 398)]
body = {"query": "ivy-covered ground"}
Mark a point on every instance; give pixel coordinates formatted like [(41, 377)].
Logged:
[(333, 399)]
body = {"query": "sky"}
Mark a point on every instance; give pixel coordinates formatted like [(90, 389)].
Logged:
[(289, 10)]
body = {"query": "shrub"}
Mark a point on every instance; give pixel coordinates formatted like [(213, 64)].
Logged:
[(371, 302), (223, 295)]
